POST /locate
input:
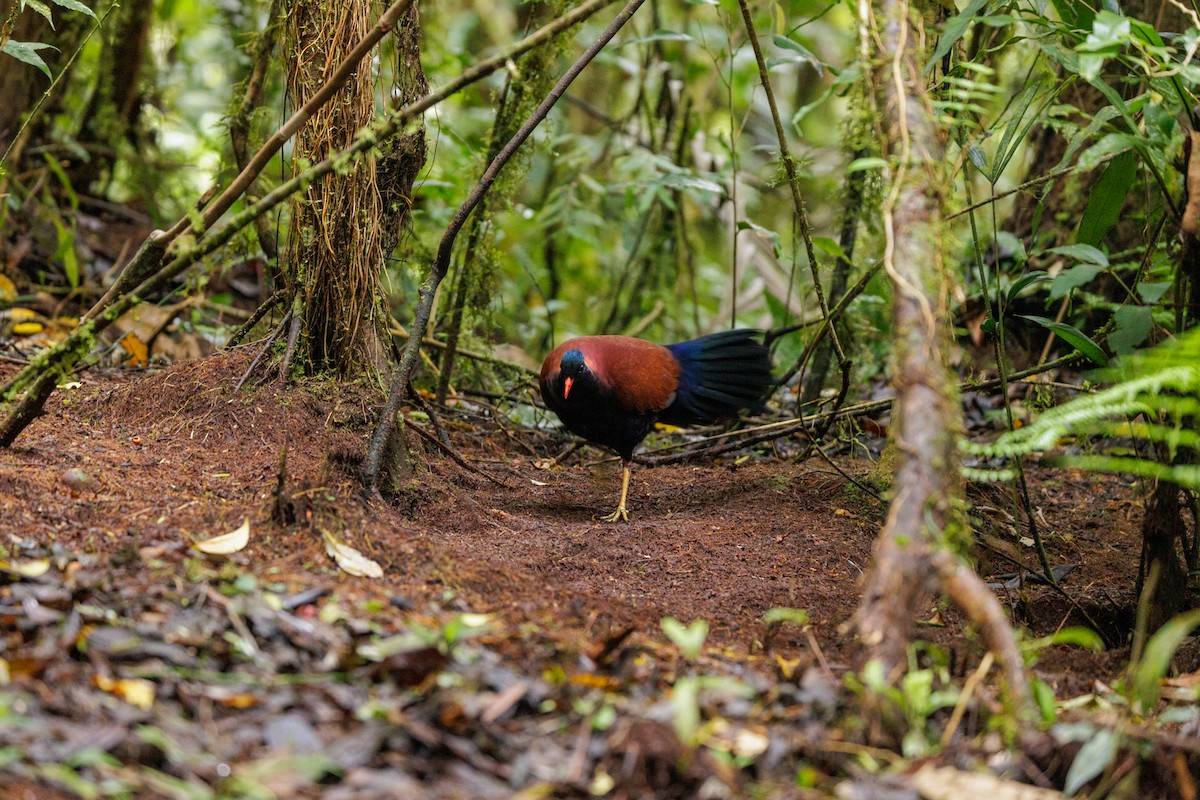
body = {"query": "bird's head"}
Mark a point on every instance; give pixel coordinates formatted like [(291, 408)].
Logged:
[(571, 368)]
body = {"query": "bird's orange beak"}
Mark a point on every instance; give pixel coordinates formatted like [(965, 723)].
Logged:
[(567, 386)]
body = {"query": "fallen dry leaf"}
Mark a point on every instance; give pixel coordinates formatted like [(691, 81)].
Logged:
[(135, 691), (226, 543), (947, 783), (350, 560)]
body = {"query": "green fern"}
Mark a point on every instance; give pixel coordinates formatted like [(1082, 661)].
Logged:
[(1155, 397)]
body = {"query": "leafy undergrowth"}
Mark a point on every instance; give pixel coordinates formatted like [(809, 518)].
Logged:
[(513, 645)]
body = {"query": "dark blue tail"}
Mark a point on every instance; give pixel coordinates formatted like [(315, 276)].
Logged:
[(721, 374)]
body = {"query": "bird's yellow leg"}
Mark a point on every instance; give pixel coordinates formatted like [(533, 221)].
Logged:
[(621, 513)]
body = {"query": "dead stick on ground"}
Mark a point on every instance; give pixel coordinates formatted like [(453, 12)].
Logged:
[(387, 422), (454, 455)]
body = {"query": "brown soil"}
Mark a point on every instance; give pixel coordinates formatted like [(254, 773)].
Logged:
[(176, 456)]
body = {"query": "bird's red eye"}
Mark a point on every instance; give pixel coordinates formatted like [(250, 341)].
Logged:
[(567, 386)]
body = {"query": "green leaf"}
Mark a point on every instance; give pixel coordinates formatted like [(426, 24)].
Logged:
[(1072, 278), (801, 53), (1014, 133), (1025, 280), (865, 164), (1152, 291), (1132, 327), (1093, 758), (828, 245), (41, 8), (1106, 199), (75, 5), (689, 639), (27, 52), (1075, 635), (1156, 659), (1082, 252), (1072, 336), (796, 616), (954, 30), (65, 252), (978, 158), (1076, 13), (1047, 705)]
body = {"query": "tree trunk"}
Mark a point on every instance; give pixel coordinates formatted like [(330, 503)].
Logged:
[(925, 413), (346, 222)]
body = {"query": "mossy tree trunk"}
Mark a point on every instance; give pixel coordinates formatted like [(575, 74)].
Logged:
[(925, 417), (346, 223)]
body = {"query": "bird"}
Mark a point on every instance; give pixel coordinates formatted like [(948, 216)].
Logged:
[(611, 390)]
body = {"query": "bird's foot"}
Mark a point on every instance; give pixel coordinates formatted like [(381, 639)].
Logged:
[(620, 515)]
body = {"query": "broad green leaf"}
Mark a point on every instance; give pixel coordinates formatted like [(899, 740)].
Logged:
[(1106, 147), (1156, 659), (1152, 291), (1076, 13), (1093, 758), (1106, 199), (1082, 252), (1133, 326), (27, 52), (828, 245), (954, 30), (1072, 336), (41, 8), (75, 5), (1072, 278)]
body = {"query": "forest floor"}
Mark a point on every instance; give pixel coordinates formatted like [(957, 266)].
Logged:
[(514, 643)]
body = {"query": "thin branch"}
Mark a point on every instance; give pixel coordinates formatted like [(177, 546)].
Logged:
[(789, 166), (454, 454), (428, 289)]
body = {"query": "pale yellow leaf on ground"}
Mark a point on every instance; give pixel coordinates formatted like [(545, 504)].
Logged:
[(8, 291), (226, 543), (26, 569), (947, 783), (350, 560), (135, 691)]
